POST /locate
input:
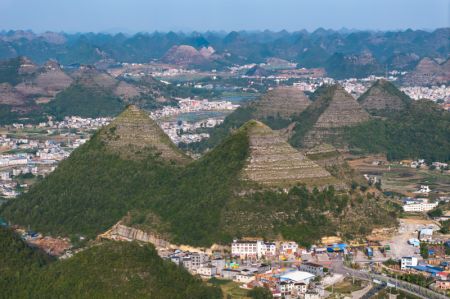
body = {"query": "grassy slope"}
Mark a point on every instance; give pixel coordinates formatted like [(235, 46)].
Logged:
[(85, 101)]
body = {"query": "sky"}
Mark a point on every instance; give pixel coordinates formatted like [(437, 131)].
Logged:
[(202, 15)]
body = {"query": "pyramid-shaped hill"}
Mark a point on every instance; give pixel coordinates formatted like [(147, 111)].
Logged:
[(342, 111), (383, 98), (276, 109), (280, 102), (332, 110), (101, 180), (134, 135), (274, 162)]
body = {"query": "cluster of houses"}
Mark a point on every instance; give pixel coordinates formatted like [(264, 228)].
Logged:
[(247, 264), (290, 282), (35, 156), (185, 132), (193, 105), (420, 163)]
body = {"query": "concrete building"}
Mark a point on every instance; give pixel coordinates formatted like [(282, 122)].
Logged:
[(408, 261), (312, 268), (252, 249)]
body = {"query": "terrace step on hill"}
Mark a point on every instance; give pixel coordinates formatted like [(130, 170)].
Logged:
[(274, 162)]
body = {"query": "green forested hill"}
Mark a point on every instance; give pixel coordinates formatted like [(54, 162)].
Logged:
[(201, 203), (421, 131), (105, 270), (16, 260), (85, 101), (9, 71)]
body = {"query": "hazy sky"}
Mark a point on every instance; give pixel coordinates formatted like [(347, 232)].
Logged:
[(202, 15)]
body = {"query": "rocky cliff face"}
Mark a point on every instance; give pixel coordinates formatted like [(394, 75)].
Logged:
[(383, 97), (133, 134), (274, 162), (121, 232), (281, 102)]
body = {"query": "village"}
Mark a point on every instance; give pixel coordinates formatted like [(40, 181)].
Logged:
[(30, 152)]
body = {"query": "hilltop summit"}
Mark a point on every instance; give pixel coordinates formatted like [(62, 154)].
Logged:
[(383, 97), (133, 134), (272, 161), (333, 109), (282, 102)]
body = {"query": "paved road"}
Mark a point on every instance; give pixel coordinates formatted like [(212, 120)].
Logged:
[(416, 290)]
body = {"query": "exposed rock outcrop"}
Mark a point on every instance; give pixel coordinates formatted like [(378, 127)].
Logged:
[(121, 232)]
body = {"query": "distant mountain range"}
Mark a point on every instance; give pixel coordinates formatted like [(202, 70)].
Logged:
[(342, 53), (29, 92)]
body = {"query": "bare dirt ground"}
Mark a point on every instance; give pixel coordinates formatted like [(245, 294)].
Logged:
[(407, 229)]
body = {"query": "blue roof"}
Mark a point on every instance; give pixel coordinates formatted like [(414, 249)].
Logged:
[(428, 269)]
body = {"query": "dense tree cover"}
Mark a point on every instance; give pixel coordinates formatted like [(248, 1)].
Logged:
[(8, 116), (9, 71), (94, 188), (85, 101), (197, 204), (423, 131), (306, 216), (87, 193), (17, 260), (340, 66), (110, 270), (260, 293)]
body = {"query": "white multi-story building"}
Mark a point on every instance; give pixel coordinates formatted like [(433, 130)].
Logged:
[(288, 247), (266, 249), (244, 248), (419, 207), (408, 261), (253, 249)]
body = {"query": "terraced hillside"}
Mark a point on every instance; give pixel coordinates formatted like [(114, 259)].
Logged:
[(321, 122), (122, 173), (384, 98), (274, 162), (133, 134), (281, 102), (276, 109)]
